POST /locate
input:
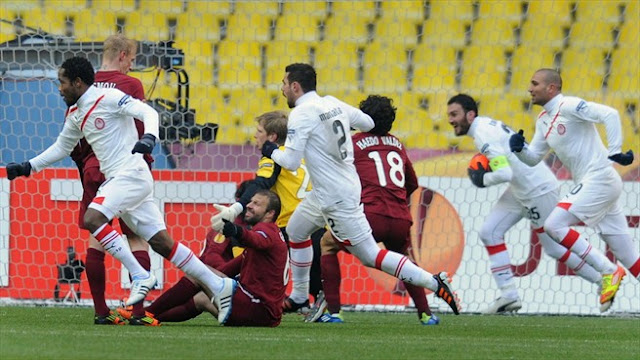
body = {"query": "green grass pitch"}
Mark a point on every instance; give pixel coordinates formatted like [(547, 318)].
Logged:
[(69, 333)]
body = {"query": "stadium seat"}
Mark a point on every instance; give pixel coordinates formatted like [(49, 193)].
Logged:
[(279, 54), (347, 28), (337, 73), (313, 9), (255, 27), (66, 5), (524, 63), (117, 6), (496, 31), (164, 7), (239, 64), (624, 78), (397, 29), (385, 68), (89, 26), (411, 10), (220, 8), (483, 68), (557, 12), (592, 34), (583, 70), (194, 26), (354, 9), (511, 11), (543, 33), (270, 9), (7, 31), (434, 68), (629, 36), (19, 6), (297, 27), (48, 20), (599, 11), (459, 10), (444, 32), (146, 26)]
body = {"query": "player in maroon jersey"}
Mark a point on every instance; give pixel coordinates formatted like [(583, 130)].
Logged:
[(117, 59), (388, 179)]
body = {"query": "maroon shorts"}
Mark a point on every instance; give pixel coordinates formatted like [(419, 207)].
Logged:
[(92, 178), (246, 312), (394, 233)]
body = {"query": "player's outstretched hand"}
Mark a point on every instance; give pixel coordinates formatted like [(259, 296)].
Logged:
[(232, 230), (623, 158), (477, 175), (14, 170), (145, 144), (516, 141), (267, 148)]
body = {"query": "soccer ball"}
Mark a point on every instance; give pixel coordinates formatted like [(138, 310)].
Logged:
[(479, 158)]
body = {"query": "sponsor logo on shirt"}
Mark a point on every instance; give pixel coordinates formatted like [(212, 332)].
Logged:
[(291, 131), (581, 106), (125, 100), (484, 148), (99, 123)]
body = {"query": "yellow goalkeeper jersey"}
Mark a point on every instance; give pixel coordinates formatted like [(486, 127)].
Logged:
[(291, 186)]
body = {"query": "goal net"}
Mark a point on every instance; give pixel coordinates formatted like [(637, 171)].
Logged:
[(210, 67)]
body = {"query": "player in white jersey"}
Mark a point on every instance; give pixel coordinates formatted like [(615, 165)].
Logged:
[(567, 125), (104, 116), (319, 130), (532, 193)]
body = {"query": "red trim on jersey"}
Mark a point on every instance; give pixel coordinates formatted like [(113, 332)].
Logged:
[(300, 245), (173, 250), (553, 121), (539, 230), (98, 200), (542, 113), (379, 259), (565, 206), (565, 257), (570, 239), (635, 268), (89, 112), (70, 110), (494, 249)]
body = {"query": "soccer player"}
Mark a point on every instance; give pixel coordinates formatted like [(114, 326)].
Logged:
[(104, 116), (319, 132), (117, 59), (388, 179), (532, 193), (567, 125)]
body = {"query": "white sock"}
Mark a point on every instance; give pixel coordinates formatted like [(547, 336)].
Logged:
[(580, 267), (113, 243), (301, 257), (501, 270), (401, 267), (186, 261)]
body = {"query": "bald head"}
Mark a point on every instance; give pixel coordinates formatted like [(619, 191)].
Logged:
[(551, 76), (545, 85)]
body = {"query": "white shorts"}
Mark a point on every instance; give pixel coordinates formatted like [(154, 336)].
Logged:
[(345, 220), (595, 197), (129, 196)]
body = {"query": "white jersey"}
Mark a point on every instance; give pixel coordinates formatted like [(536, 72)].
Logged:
[(567, 125), (320, 128), (491, 138), (104, 116)]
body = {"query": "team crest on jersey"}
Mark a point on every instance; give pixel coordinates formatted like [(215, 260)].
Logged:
[(561, 129), (125, 100), (99, 123), (219, 238)]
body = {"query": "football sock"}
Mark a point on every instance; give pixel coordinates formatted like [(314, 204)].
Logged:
[(184, 312), (331, 278), (625, 250), (113, 243), (96, 277), (178, 294), (401, 267), (501, 270), (562, 254), (145, 261), (419, 299), (183, 258), (301, 258)]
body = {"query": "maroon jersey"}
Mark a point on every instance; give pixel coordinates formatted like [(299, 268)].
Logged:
[(264, 267), (82, 154), (386, 174)]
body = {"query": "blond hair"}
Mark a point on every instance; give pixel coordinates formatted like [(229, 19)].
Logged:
[(117, 43), (274, 122)]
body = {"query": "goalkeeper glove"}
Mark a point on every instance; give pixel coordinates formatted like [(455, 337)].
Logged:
[(231, 230), (267, 148), (229, 213), (14, 170), (477, 176), (516, 141), (623, 158), (145, 144)]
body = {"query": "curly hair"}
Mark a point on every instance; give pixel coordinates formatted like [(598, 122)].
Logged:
[(78, 67), (381, 110)]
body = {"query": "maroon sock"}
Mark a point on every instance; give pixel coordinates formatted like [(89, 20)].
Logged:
[(419, 298), (145, 261), (179, 313), (178, 294), (331, 277), (96, 276)]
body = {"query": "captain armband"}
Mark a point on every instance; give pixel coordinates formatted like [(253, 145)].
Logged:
[(498, 163)]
